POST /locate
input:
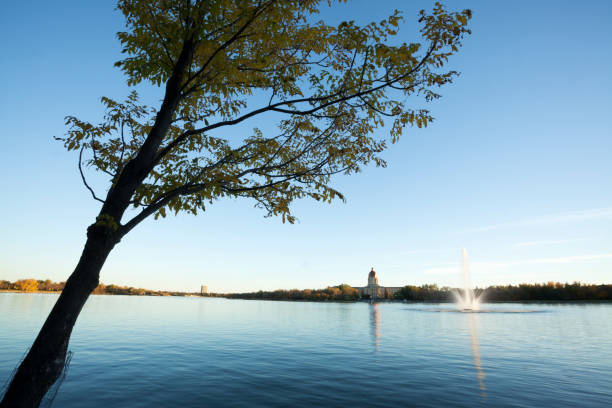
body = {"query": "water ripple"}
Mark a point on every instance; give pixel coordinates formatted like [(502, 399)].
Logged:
[(143, 352)]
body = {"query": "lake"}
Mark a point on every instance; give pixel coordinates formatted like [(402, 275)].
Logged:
[(197, 352)]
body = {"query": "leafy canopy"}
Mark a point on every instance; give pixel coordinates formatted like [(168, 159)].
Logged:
[(226, 61)]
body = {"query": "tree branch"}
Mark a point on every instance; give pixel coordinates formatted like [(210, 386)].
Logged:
[(277, 106), (223, 46), (93, 194), (153, 207)]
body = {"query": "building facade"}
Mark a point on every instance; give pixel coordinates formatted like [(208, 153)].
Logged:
[(374, 290), (204, 290)]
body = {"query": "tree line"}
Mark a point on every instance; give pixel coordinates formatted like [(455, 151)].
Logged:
[(341, 292), (550, 291), (33, 285)]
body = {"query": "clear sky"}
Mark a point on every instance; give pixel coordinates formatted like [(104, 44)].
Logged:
[(516, 168)]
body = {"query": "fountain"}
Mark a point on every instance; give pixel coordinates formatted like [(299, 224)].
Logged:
[(467, 300)]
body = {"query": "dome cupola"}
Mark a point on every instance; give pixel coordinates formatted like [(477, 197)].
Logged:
[(372, 278)]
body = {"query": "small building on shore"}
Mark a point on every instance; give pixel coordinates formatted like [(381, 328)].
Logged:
[(203, 290), (374, 290)]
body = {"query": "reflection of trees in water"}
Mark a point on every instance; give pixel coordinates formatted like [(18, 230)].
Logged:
[(375, 325), (480, 374)]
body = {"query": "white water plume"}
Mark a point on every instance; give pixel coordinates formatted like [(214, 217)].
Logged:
[(466, 300)]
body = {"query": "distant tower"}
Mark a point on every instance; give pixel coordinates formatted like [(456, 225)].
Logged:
[(204, 290), (372, 278)]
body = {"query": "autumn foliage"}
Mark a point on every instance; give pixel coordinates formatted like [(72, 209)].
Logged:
[(27, 285), (341, 292)]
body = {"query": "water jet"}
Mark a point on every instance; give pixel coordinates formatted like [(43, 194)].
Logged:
[(466, 300)]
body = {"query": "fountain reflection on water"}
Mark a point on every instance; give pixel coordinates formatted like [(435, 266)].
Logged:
[(480, 374)]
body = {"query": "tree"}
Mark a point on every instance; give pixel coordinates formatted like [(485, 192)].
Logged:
[(221, 63), (348, 292), (27, 285)]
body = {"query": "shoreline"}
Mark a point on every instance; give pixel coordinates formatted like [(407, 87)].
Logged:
[(53, 292), (555, 301)]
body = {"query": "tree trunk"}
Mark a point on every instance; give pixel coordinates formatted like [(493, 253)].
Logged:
[(46, 358)]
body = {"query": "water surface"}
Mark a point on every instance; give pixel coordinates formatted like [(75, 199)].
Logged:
[(196, 352)]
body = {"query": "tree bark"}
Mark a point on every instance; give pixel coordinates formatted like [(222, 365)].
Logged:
[(45, 360)]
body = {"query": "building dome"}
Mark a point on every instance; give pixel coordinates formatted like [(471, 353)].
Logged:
[(372, 278)]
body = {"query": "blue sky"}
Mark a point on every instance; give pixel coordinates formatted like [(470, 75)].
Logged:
[(516, 168)]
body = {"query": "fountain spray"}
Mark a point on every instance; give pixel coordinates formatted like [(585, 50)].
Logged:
[(467, 300)]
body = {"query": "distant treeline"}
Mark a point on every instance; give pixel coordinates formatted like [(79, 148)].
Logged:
[(551, 291), (342, 292), (33, 285)]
